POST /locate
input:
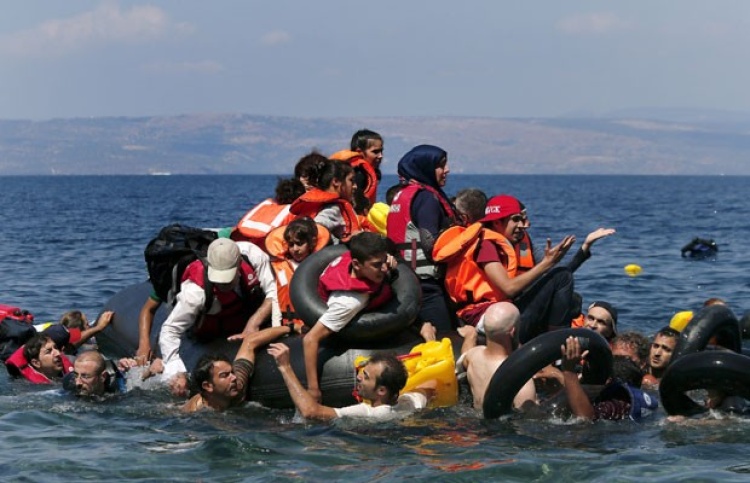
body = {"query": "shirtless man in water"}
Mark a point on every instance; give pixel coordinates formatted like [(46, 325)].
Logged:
[(480, 362)]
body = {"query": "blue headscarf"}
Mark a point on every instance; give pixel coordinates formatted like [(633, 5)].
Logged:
[(419, 165)]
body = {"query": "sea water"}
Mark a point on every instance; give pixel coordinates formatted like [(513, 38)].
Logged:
[(73, 242)]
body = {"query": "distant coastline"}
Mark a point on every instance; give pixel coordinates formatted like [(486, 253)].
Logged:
[(246, 144)]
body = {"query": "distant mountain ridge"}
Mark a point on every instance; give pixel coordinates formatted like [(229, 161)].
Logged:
[(675, 142)]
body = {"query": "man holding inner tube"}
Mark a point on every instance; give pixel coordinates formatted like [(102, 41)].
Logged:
[(355, 281)]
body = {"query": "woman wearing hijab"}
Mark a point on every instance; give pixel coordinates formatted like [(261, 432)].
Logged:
[(419, 212)]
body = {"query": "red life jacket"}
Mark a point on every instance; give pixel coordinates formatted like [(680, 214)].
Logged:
[(337, 276), (259, 221), (313, 201), (235, 308), (357, 161), (17, 366), (402, 230)]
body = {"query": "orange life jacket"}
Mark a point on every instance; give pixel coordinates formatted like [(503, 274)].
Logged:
[(283, 267), (356, 160), (525, 254), (313, 201), (260, 220), (578, 322), (465, 282)]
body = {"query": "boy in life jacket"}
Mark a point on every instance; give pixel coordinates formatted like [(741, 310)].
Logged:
[(329, 202), (238, 277), (482, 269), (620, 399), (288, 246), (355, 281), (268, 214)]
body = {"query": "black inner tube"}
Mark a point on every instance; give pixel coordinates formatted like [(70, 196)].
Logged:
[(725, 371), (534, 356), (389, 319), (714, 320)]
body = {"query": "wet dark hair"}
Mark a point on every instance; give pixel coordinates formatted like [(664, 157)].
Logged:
[(394, 375), (73, 320), (366, 245), (288, 190), (360, 202), (361, 139), (328, 171), (204, 371), (33, 346), (667, 332), (637, 341), (302, 229), (306, 166), (471, 202), (627, 371)]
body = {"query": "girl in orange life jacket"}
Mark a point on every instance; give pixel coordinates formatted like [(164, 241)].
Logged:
[(329, 202), (353, 282), (365, 154), (288, 246), (419, 212), (543, 295), (268, 214)]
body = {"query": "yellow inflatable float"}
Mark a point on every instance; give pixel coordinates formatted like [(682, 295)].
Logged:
[(428, 361)]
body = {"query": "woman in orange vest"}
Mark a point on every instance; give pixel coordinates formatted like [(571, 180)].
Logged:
[(329, 202), (288, 246)]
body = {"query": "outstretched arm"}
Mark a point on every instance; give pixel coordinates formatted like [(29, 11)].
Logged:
[(311, 343), (594, 236), (305, 403), (101, 323), (577, 398), (258, 339), (512, 287)]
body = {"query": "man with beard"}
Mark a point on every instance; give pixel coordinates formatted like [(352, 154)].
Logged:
[(378, 382), (660, 355), (221, 384)]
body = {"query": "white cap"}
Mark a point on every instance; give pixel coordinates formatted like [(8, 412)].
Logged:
[(223, 260)]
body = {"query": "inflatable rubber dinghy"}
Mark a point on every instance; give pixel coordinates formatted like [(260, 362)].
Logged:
[(267, 387)]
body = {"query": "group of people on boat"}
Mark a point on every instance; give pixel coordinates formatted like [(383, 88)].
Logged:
[(473, 258)]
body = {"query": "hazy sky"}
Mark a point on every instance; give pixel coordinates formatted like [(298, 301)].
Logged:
[(325, 58)]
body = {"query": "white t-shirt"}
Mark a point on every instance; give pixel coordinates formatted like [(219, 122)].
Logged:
[(343, 306), (407, 403), (190, 302)]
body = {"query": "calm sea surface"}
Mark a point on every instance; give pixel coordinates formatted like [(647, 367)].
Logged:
[(73, 242)]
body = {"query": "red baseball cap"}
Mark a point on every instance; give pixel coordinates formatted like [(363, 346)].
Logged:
[(501, 206)]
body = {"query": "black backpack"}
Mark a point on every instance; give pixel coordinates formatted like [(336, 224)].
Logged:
[(167, 256), (16, 329)]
